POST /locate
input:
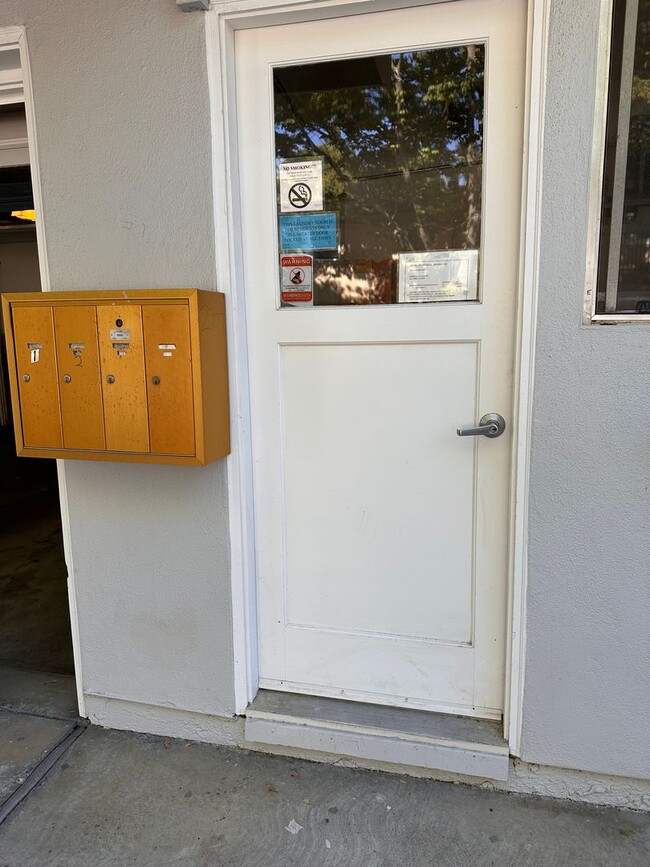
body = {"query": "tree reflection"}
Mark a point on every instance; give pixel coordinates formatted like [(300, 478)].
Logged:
[(634, 265), (401, 141)]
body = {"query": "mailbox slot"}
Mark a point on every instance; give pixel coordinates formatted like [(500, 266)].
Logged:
[(82, 409), (37, 377), (123, 387), (168, 364)]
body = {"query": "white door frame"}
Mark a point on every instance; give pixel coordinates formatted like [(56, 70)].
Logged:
[(12, 38), (224, 18)]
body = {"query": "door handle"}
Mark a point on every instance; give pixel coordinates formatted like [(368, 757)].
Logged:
[(491, 425)]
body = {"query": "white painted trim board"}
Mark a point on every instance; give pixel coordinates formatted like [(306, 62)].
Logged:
[(538, 32), (220, 55)]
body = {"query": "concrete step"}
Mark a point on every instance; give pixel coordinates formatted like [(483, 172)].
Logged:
[(417, 738)]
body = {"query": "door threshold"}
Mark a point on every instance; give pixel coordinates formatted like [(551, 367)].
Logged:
[(417, 738)]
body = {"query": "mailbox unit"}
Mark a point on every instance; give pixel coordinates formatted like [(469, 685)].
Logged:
[(128, 375)]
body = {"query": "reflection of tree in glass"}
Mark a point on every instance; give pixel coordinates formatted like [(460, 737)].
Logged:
[(640, 109), (634, 264), (401, 141)]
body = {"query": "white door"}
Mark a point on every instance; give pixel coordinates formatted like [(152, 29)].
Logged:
[(380, 171)]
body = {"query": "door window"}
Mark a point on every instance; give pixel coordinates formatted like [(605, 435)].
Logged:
[(379, 175)]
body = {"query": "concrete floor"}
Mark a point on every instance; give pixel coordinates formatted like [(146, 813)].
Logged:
[(24, 742), (34, 616), (117, 798), (108, 798)]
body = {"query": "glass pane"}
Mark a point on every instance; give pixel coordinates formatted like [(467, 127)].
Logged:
[(379, 165), (624, 268)]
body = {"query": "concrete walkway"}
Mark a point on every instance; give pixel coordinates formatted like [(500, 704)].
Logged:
[(116, 798)]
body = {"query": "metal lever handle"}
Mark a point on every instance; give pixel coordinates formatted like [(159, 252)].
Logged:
[(491, 425)]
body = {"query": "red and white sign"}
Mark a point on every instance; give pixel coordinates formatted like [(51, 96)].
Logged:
[(297, 279)]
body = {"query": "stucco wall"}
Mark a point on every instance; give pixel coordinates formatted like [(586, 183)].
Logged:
[(121, 103), (587, 701), (122, 117)]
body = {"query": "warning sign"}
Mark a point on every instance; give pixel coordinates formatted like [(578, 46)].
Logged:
[(297, 279), (301, 185)]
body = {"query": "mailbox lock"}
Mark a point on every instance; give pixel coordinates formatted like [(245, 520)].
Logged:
[(155, 380), (25, 377), (110, 378), (67, 378), (119, 323)]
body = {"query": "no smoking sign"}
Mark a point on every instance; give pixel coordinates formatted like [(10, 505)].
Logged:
[(300, 195), (297, 279), (301, 185)]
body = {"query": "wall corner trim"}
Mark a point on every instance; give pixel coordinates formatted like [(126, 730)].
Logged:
[(538, 35)]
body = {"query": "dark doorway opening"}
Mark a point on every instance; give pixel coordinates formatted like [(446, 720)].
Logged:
[(35, 631)]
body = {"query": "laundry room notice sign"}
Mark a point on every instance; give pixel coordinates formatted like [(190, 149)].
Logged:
[(301, 185), (297, 279)]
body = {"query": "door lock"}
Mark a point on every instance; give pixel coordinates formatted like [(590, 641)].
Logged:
[(491, 425)]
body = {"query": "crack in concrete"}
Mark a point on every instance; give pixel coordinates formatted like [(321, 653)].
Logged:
[(41, 770)]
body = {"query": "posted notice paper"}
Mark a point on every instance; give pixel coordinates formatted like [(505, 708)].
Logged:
[(444, 275)]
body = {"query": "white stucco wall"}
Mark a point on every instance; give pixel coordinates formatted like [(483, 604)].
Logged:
[(122, 118), (586, 699), (121, 103)]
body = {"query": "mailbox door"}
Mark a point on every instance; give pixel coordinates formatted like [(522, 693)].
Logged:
[(123, 384), (168, 362), (79, 377), (37, 377)]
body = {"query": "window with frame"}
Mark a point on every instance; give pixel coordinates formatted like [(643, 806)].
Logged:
[(624, 253)]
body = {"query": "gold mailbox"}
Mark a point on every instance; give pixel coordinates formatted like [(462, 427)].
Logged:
[(131, 375)]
